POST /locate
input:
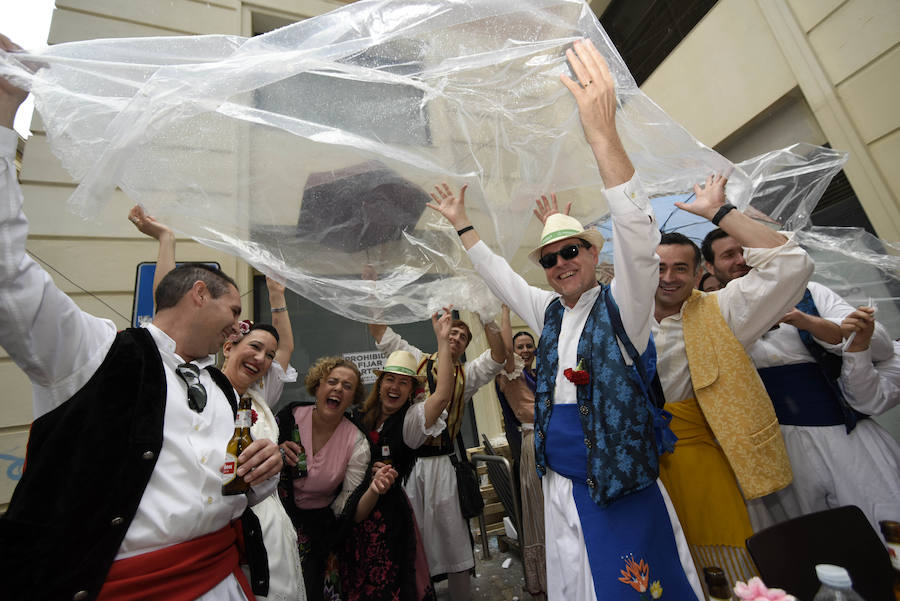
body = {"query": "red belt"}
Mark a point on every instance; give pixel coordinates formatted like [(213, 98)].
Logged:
[(181, 572)]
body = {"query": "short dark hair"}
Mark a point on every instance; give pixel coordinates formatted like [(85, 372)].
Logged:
[(179, 281), (676, 238), (522, 333), (717, 234), (265, 327)]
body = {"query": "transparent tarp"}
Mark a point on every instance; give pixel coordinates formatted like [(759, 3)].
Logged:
[(310, 151)]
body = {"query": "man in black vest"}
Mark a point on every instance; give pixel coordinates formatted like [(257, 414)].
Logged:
[(122, 476)]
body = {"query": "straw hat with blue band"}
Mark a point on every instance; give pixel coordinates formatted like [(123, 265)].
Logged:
[(559, 227), (403, 363)]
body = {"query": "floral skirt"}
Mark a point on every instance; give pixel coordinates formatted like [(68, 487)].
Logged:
[(383, 559)]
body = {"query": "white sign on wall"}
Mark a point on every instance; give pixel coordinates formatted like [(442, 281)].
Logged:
[(367, 362)]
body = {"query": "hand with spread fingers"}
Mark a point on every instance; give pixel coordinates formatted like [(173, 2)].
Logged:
[(545, 207), (708, 199), (595, 95), (449, 205), (595, 92)]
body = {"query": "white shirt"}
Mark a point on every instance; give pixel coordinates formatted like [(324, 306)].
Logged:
[(479, 371), (871, 388), (783, 346), (749, 305), (635, 238), (59, 347)]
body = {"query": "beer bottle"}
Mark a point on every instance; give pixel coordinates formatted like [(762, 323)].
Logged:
[(891, 532), (717, 584), (232, 484), (300, 468)]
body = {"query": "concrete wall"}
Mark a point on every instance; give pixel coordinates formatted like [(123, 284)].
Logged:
[(97, 267), (834, 64)]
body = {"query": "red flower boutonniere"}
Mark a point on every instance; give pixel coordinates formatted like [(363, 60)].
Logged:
[(374, 436), (578, 376), (253, 416)]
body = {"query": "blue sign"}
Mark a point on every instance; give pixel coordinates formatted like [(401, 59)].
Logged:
[(142, 312)]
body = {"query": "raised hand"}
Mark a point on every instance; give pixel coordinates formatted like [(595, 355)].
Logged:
[(595, 92), (10, 96), (545, 207), (708, 199), (148, 225), (450, 206), (443, 324)]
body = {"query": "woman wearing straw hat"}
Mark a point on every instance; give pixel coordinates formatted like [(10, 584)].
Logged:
[(384, 557)]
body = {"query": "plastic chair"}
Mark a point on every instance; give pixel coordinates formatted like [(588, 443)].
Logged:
[(786, 554)]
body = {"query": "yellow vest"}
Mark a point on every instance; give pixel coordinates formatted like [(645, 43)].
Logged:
[(733, 399)]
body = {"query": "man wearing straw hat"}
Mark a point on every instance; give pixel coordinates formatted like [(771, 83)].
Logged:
[(611, 530)]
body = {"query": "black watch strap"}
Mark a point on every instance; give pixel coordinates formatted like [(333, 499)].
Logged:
[(723, 210)]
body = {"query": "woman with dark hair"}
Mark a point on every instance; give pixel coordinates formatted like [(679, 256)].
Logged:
[(384, 559), (709, 283), (327, 485), (257, 363)]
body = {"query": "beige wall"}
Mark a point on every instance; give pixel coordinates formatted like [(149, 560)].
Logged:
[(102, 263), (820, 70)]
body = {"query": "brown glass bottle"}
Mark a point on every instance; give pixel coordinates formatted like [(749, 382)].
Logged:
[(891, 532), (717, 584), (232, 484)]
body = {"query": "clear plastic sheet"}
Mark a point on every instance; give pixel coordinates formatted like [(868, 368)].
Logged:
[(309, 151)]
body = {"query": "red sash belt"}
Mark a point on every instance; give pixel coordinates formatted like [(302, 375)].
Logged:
[(181, 572)]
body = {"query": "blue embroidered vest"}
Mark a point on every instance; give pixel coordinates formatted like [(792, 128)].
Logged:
[(616, 416)]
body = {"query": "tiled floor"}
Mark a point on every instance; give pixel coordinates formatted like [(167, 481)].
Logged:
[(493, 582)]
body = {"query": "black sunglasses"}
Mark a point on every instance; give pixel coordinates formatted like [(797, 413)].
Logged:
[(566, 252), (196, 392)]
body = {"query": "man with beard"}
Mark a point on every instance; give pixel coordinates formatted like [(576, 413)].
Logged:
[(838, 455)]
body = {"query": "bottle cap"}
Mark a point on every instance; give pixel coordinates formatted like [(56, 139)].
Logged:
[(833, 575)]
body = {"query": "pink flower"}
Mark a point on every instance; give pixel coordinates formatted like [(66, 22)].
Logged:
[(755, 590)]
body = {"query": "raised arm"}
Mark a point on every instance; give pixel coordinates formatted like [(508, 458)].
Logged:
[(506, 334), (49, 337), (440, 398), (710, 198), (281, 321), (149, 226), (495, 342), (595, 94), (753, 303)]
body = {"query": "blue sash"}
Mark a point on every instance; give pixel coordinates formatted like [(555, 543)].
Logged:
[(634, 528), (802, 396)]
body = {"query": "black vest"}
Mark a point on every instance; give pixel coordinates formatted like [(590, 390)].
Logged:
[(87, 464)]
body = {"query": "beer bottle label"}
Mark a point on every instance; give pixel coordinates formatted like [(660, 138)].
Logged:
[(894, 552), (228, 470), (385, 453), (243, 419)]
